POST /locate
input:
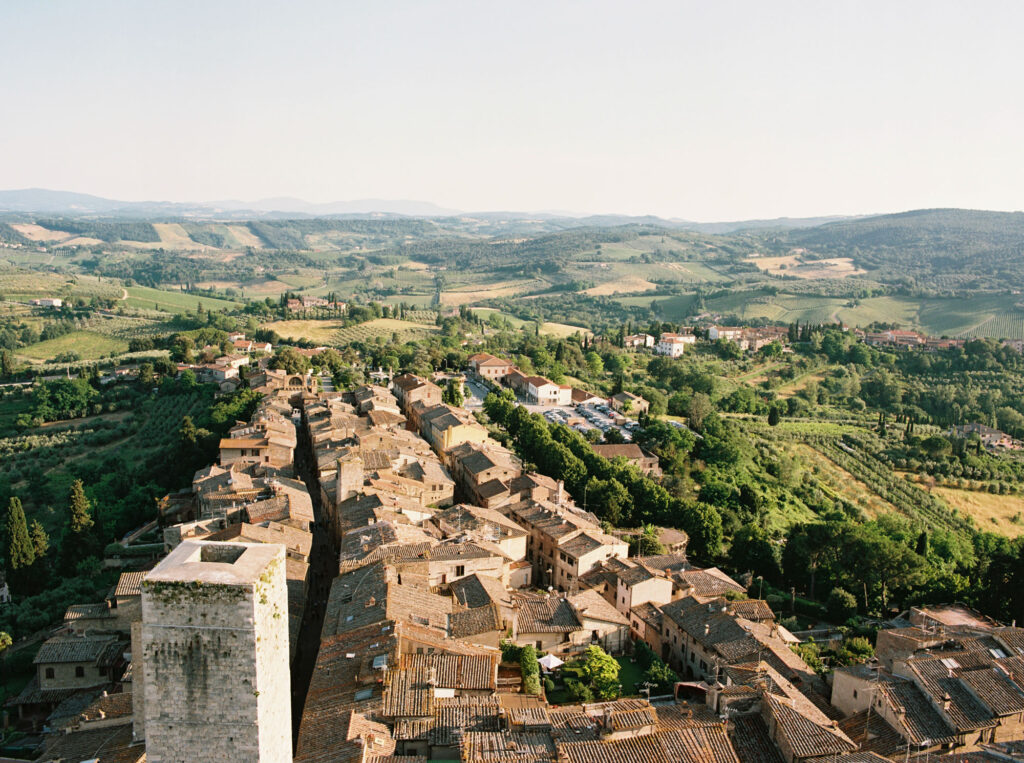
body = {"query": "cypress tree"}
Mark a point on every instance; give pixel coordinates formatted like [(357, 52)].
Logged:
[(79, 518), (40, 540), (20, 553)]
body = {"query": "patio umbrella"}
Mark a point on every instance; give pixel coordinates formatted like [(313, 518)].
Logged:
[(550, 662)]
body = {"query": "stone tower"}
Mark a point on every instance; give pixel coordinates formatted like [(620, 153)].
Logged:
[(214, 655), (350, 477)]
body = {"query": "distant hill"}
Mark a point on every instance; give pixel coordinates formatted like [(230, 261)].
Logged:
[(66, 203), (37, 201), (950, 247)]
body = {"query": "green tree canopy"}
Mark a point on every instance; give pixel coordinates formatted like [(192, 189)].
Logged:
[(20, 551)]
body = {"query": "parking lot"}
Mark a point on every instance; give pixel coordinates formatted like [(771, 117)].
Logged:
[(593, 417), (584, 417)]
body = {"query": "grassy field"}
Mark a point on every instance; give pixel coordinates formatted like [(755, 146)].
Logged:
[(790, 389), (1003, 514), (562, 329), (487, 312), (321, 332), (627, 285), (386, 328), (30, 285), (836, 267), (331, 333), (146, 298), (842, 483), (479, 293), (87, 344)]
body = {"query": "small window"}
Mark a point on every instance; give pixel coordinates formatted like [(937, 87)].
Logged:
[(540, 645), (460, 570), (49, 672), (79, 671), (855, 694)]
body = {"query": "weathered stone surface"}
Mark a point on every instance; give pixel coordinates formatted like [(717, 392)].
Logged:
[(215, 655)]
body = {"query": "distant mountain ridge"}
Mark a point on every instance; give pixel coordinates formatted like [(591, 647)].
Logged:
[(44, 201), (69, 204)]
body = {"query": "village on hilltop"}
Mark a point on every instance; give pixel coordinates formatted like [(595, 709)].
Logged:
[(370, 575)]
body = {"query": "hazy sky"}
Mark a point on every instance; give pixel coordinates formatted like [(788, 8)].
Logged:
[(707, 110)]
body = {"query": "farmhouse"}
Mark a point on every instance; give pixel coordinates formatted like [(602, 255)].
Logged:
[(489, 367), (990, 437), (673, 345), (546, 392), (638, 341), (627, 402), (728, 333), (640, 458)]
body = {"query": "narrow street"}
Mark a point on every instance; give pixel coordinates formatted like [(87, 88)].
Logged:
[(322, 571)]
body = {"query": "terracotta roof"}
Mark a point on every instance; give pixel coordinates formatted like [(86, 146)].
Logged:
[(87, 611), (479, 591), (507, 746), (129, 584), (870, 732), (629, 451), (803, 736), (70, 649), (108, 744), (452, 718), (749, 737), (473, 622), (685, 716), (697, 745), (544, 614), (118, 705), (344, 679), (994, 690), (590, 603), (937, 676), (707, 583), (753, 609)]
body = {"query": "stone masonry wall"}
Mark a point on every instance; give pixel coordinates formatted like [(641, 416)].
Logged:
[(215, 670)]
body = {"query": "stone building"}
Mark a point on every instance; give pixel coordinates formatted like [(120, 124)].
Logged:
[(214, 654)]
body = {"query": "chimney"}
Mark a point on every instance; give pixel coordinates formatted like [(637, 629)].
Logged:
[(707, 628), (559, 492), (946, 701)]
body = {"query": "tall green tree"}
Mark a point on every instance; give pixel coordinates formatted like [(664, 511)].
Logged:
[(452, 394), (40, 540), (20, 552), (80, 510)]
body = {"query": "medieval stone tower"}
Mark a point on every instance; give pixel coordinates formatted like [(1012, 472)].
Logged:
[(214, 655)]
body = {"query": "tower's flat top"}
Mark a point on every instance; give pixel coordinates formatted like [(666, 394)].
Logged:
[(196, 561)]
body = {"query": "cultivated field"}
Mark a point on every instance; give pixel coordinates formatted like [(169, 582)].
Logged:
[(385, 328), (146, 298), (320, 332), (490, 291), (87, 344), (563, 329), (792, 265), (331, 333), (23, 286), (628, 285), (1003, 514), (35, 232), (844, 484)]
